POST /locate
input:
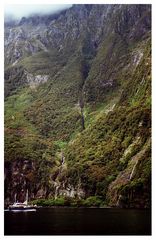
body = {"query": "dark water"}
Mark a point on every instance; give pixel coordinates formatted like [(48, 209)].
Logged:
[(78, 221)]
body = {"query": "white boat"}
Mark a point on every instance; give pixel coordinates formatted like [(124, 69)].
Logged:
[(20, 207)]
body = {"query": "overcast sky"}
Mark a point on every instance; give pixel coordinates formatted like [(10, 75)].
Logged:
[(18, 11)]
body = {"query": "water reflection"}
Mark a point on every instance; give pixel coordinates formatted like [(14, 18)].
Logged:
[(79, 221)]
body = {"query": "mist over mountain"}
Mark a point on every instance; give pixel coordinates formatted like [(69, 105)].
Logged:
[(17, 11), (78, 106)]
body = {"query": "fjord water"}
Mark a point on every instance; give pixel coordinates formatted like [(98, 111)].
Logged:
[(79, 221)]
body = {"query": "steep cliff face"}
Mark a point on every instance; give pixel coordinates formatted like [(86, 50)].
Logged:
[(77, 106)]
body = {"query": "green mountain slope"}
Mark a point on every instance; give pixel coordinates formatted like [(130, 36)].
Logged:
[(78, 106)]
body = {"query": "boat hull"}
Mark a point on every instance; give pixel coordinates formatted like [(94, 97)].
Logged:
[(22, 206), (22, 209)]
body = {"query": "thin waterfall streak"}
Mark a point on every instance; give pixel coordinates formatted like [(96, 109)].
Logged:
[(131, 175)]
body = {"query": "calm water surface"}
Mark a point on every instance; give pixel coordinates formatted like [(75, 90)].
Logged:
[(78, 221)]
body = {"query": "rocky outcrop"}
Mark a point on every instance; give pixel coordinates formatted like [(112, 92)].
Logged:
[(15, 77), (116, 195), (20, 176), (34, 81), (36, 34)]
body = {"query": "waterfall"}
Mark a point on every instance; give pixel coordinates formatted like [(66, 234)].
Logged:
[(27, 196), (131, 175), (62, 158), (119, 201), (26, 199), (81, 106), (82, 119), (57, 183), (56, 191), (15, 197)]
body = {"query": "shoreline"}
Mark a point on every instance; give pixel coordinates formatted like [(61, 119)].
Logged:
[(83, 207)]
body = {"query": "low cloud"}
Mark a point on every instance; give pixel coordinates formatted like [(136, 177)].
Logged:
[(19, 11)]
